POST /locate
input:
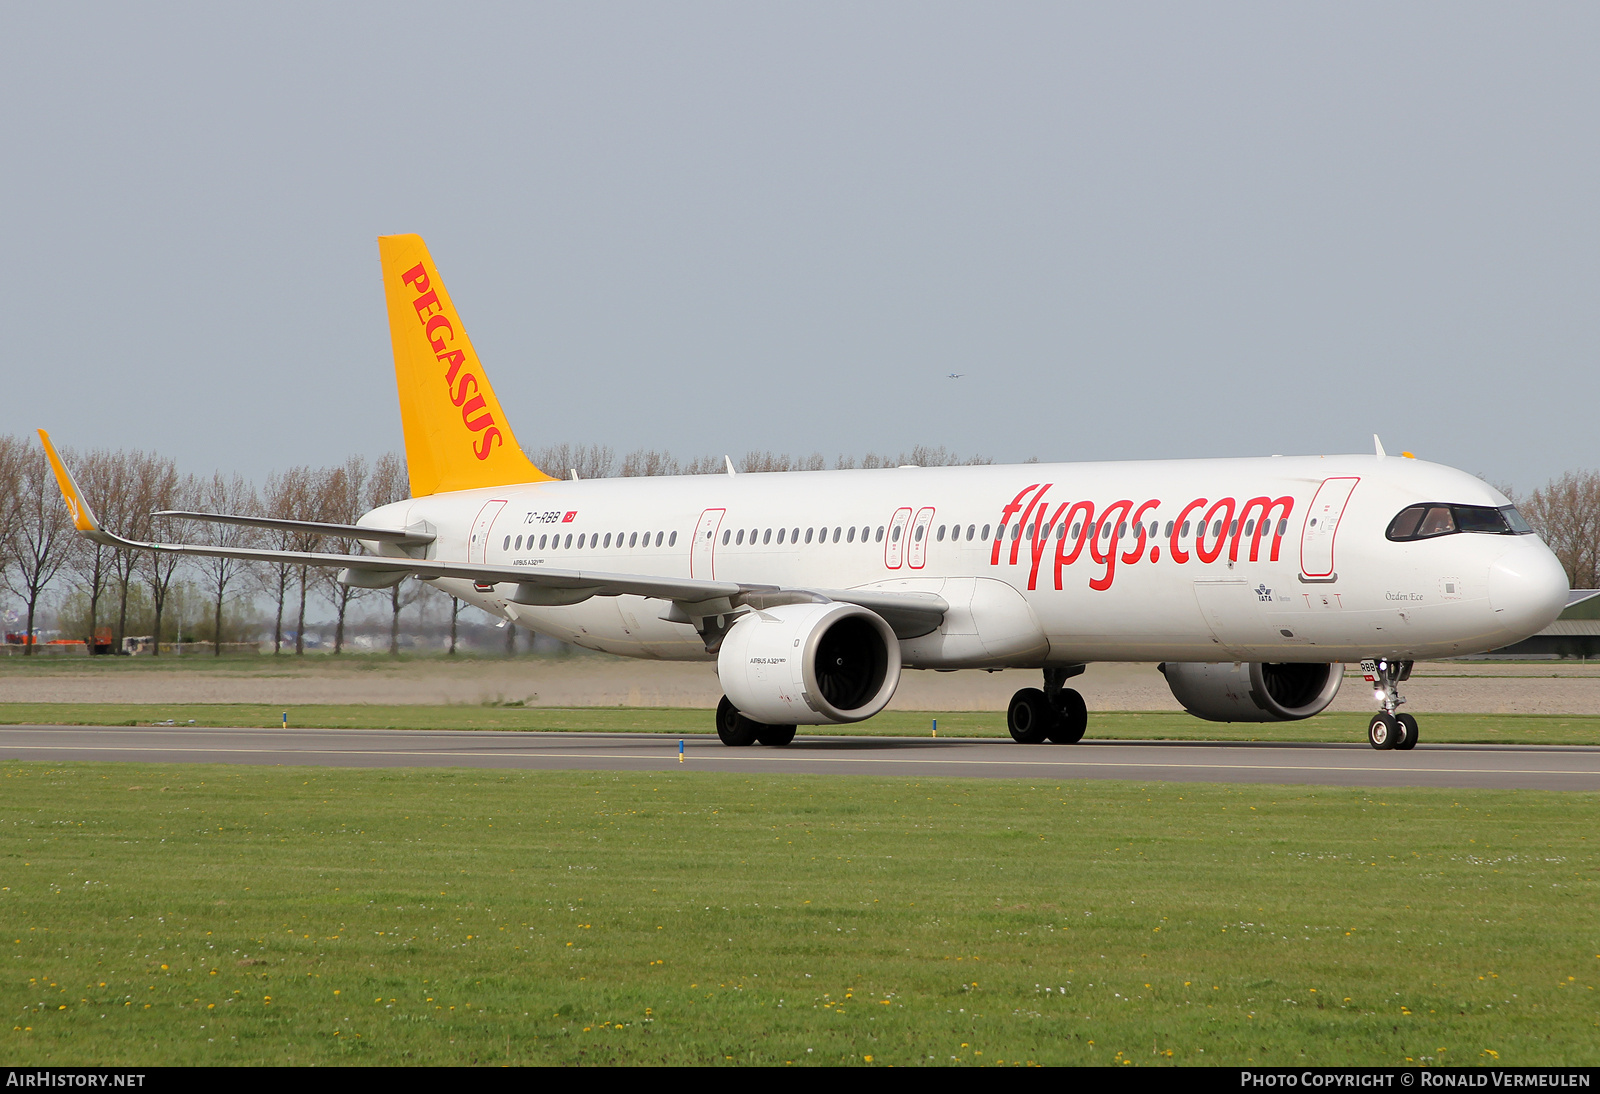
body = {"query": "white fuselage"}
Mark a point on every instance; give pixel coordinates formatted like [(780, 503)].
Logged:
[(1060, 565)]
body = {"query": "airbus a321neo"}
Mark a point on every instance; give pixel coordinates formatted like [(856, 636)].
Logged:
[(1249, 581)]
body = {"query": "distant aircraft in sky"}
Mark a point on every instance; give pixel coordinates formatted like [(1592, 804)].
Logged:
[(955, 375), (1250, 581)]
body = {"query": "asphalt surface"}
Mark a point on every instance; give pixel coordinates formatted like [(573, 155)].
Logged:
[(1549, 767)]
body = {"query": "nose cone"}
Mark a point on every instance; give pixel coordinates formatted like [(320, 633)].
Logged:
[(1527, 588)]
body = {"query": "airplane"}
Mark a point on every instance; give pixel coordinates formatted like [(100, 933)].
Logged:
[(1249, 582)]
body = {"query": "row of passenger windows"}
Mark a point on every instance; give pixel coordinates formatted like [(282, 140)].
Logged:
[(555, 542), (735, 537), (866, 533)]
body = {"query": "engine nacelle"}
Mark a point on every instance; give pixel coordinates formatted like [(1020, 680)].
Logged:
[(809, 664), (1253, 692)]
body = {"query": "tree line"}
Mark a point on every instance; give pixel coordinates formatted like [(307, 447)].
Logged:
[(42, 555)]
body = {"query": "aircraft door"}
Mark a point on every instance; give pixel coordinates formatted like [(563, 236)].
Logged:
[(478, 549), (703, 551), (894, 542), (919, 538), (1322, 525)]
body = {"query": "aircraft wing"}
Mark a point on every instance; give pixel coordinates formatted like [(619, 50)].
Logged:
[(911, 614)]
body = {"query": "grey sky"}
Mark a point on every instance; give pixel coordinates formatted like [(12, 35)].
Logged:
[(1139, 230)]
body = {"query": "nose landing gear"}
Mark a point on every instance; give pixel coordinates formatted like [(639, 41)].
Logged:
[(1387, 729)]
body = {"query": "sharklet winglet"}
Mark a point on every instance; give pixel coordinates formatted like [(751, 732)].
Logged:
[(83, 518)]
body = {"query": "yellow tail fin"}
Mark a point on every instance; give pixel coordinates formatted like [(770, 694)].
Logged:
[(457, 437)]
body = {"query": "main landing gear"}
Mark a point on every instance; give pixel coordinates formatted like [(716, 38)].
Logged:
[(736, 730), (1387, 729), (1056, 714)]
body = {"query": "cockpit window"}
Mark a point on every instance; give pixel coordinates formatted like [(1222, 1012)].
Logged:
[(1430, 520)]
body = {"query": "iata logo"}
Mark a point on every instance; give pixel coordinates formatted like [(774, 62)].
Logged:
[(462, 387)]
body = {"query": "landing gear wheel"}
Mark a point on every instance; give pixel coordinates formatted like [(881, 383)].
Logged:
[(1029, 718), (1409, 725), (734, 729), (1071, 718), (774, 735), (1383, 731)]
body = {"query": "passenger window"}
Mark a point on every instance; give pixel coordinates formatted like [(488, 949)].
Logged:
[(920, 530), (506, 546), (1216, 529), (1122, 530), (1283, 525), (941, 533), (766, 537), (727, 535), (894, 536), (851, 538), (608, 539), (1185, 528), (972, 531), (1249, 527), (740, 539), (880, 533), (836, 532), (780, 536), (542, 541), (670, 543), (568, 545), (1169, 529), (794, 535), (1076, 529), (808, 534), (659, 535), (633, 539)]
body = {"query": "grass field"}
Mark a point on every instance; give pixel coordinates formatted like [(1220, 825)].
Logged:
[(1436, 728), (199, 915)]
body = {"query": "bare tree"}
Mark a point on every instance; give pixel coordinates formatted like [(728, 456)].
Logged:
[(342, 496), (100, 474), (389, 483), (590, 461), (758, 462), (38, 529), (642, 462), (290, 495), (236, 496), (156, 486), (1566, 514)]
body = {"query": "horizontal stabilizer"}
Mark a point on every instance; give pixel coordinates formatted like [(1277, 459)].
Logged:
[(398, 536)]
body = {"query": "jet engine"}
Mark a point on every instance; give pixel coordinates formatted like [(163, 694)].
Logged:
[(1253, 692), (809, 664)]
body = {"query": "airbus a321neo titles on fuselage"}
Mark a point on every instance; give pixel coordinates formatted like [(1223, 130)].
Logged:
[(1249, 581)]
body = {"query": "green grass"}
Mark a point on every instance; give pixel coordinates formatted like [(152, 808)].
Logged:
[(225, 915), (1129, 725)]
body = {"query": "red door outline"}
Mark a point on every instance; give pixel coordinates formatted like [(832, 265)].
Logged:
[(1321, 525), (895, 540), (920, 530)]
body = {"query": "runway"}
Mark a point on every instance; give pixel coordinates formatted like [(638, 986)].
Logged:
[(1551, 767)]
